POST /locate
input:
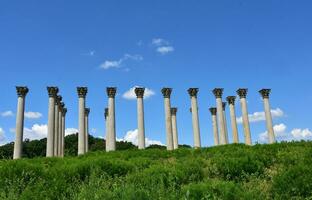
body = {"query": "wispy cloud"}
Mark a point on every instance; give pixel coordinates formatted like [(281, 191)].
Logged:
[(108, 64), (33, 115), (89, 53), (7, 113), (162, 46), (132, 136), (130, 94), (260, 116)]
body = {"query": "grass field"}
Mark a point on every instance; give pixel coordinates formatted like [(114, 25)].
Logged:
[(278, 171)]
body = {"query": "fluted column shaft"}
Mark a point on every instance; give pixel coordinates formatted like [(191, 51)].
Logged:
[(52, 91), (59, 131), (268, 116), (18, 145), (195, 121), (169, 138), (140, 110), (174, 128), (87, 111), (111, 92), (82, 91), (56, 127), (225, 124), (106, 128), (213, 112), (218, 94), (63, 132), (231, 102), (242, 94)]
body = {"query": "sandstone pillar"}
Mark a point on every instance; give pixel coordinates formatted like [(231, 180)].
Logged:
[(64, 111), (218, 94), (140, 110), (225, 123), (265, 93), (106, 128), (242, 93), (56, 124), (82, 92), (231, 102), (59, 136), (111, 92), (174, 127), (52, 91), (169, 138), (213, 112), (18, 145), (87, 111), (195, 121)]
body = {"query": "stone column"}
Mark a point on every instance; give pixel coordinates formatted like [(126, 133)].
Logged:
[(265, 93), (195, 121), (218, 94), (169, 138), (111, 92), (59, 136), (106, 128), (174, 127), (82, 92), (242, 93), (140, 110), (87, 111), (18, 145), (64, 111), (52, 91), (225, 124), (56, 124), (231, 102), (213, 112)]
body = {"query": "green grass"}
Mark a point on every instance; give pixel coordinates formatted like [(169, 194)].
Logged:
[(278, 171)]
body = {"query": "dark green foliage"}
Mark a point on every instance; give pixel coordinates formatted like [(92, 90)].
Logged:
[(278, 171)]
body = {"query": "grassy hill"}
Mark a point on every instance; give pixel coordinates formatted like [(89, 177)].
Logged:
[(278, 171)]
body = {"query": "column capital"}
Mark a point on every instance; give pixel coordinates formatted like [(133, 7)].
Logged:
[(82, 91), (265, 93), (64, 111), (166, 92), (174, 111), (218, 92), (193, 92), (87, 111), (231, 100), (58, 100), (62, 105), (21, 91), (106, 113), (139, 91), (242, 92), (213, 110), (52, 91), (111, 92), (223, 105)]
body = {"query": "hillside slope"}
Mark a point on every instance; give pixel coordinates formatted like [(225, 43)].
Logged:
[(278, 171)]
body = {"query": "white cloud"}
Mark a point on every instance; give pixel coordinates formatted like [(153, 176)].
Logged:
[(36, 132), (33, 115), (90, 53), (2, 136), (299, 134), (7, 113), (70, 131), (159, 42), (132, 136), (279, 132), (130, 94), (165, 49), (260, 116), (108, 64)]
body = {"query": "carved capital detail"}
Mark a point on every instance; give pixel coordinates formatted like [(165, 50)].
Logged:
[(62, 105), (58, 100), (213, 110), (242, 92), (82, 91), (218, 92), (139, 92), (174, 111), (265, 93), (193, 92), (87, 111), (52, 91), (223, 105), (111, 92), (231, 100), (166, 92), (64, 111), (21, 91)]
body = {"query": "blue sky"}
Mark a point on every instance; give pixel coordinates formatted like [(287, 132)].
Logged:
[(179, 44)]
